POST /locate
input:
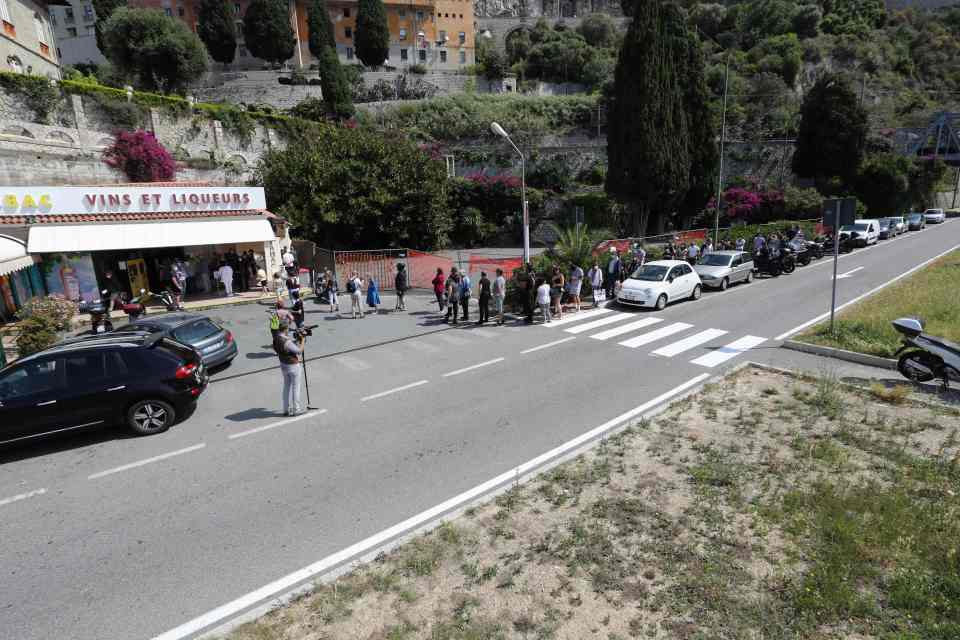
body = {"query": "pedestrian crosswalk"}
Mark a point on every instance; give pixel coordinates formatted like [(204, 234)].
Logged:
[(642, 331)]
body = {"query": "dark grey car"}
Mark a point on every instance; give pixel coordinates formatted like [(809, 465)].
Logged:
[(215, 344)]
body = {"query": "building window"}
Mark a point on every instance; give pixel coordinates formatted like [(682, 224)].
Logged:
[(53, 18), (402, 12), (443, 56), (40, 28), (404, 55), (168, 11), (349, 53), (423, 55), (236, 9), (346, 12), (442, 37), (71, 32), (403, 34), (348, 32), (463, 57), (419, 16), (463, 37), (461, 16), (88, 12), (180, 11)]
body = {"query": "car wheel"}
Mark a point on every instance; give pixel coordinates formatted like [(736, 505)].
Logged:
[(724, 284), (697, 290), (147, 417), (662, 302), (749, 277)]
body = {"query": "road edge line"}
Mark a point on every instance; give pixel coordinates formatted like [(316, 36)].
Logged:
[(261, 600)]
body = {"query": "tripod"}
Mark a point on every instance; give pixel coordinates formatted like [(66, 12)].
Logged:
[(306, 381)]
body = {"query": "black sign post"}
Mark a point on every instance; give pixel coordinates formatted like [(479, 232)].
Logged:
[(838, 212)]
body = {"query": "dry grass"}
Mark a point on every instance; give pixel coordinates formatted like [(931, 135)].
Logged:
[(929, 294), (767, 507)]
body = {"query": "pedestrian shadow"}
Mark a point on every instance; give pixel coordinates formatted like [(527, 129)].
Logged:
[(433, 322), (260, 355), (253, 414), (421, 313)]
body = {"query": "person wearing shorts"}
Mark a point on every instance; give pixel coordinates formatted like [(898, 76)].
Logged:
[(576, 282)]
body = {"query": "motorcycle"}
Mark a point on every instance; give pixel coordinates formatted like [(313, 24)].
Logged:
[(134, 308), (166, 299), (99, 311), (801, 252), (826, 245), (774, 261), (930, 357)]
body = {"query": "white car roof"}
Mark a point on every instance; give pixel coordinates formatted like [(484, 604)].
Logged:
[(665, 263)]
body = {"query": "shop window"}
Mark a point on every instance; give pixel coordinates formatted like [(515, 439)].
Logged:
[(404, 55), (348, 33), (403, 34), (443, 56), (463, 57)]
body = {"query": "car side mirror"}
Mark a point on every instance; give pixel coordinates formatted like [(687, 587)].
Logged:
[(670, 278)]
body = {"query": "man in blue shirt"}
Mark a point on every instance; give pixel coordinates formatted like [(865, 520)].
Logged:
[(465, 296)]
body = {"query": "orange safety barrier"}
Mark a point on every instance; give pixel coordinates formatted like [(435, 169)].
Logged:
[(422, 267)]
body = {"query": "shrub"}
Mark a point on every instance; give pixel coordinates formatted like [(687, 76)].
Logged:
[(419, 69), (41, 320), (141, 157), (36, 91)]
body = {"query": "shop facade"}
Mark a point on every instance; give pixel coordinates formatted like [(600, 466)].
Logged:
[(69, 238)]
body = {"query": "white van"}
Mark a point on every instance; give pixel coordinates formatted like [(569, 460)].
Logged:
[(861, 232)]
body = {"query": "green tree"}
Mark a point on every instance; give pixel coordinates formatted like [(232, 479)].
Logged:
[(156, 51), (372, 35), (708, 17), (856, 17), (599, 30), (653, 142), (322, 44), (217, 29), (358, 188), (517, 45), (267, 31), (806, 21), (833, 132), (926, 174), (103, 10), (781, 55), (883, 184)]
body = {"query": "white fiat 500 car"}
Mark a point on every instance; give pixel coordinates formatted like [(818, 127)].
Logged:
[(660, 282)]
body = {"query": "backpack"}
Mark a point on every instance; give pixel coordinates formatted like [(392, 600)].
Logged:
[(274, 322), (351, 285)]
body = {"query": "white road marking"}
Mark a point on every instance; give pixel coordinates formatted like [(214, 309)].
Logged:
[(619, 316), (848, 273), (352, 363), (266, 427), (22, 496), (420, 345), (653, 336), (627, 328), (471, 368), (452, 339), (813, 321), (726, 352), (219, 615), (548, 345), (140, 463), (689, 343), (483, 333), (578, 316), (397, 390)]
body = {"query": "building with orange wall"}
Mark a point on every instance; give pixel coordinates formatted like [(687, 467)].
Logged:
[(439, 34)]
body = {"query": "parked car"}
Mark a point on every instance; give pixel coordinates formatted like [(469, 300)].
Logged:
[(861, 233), (916, 222), (934, 216), (145, 381), (720, 269), (887, 230), (214, 343), (660, 282), (899, 224)]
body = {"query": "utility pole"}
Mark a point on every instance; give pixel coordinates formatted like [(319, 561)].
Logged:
[(723, 138)]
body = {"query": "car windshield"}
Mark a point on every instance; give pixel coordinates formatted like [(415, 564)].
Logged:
[(651, 273), (884, 224), (854, 227), (195, 331), (915, 216), (716, 260), (932, 211)]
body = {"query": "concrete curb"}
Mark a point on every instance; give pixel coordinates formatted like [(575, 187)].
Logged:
[(841, 354)]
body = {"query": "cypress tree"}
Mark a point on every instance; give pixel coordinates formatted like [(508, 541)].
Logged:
[(267, 31), (217, 29), (323, 46), (372, 35), (651, 136)]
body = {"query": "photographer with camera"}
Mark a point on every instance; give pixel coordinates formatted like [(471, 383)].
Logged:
[(289, 349)]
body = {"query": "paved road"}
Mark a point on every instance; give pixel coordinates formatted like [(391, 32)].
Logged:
[(113, 537)]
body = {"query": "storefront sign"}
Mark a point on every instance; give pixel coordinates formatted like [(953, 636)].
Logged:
[(127, 199)]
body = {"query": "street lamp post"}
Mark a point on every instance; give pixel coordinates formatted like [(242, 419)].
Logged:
[(498, 130)]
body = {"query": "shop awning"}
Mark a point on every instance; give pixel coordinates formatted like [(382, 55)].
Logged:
[(13, 255), (146, 235)]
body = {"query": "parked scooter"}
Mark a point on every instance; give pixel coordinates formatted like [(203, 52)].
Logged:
[(931, 357), (166, 299), (99, 311), (135, 308)]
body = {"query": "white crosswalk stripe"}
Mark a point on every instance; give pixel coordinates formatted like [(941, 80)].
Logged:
[(731, 350), (627, 328), (602, 322), (689, 343), (577, 317), (483, 333), (655, 335)]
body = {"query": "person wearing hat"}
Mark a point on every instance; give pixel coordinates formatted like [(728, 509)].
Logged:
[(400, 285)]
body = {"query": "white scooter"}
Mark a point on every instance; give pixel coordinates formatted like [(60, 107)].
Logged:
[(931, 357)]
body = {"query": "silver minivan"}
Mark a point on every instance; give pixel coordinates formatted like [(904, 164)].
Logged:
[(720, 269)]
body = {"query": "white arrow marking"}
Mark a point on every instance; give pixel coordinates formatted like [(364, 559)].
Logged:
[(848, 273)]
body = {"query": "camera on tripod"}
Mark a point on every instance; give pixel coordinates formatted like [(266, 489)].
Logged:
[(305, 331)]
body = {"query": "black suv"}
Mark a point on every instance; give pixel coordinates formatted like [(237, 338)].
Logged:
[(144, 381)]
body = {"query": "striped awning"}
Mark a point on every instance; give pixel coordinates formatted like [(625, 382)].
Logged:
[(13, 255)]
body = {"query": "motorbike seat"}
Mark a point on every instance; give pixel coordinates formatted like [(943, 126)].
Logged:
[(940, 342)]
